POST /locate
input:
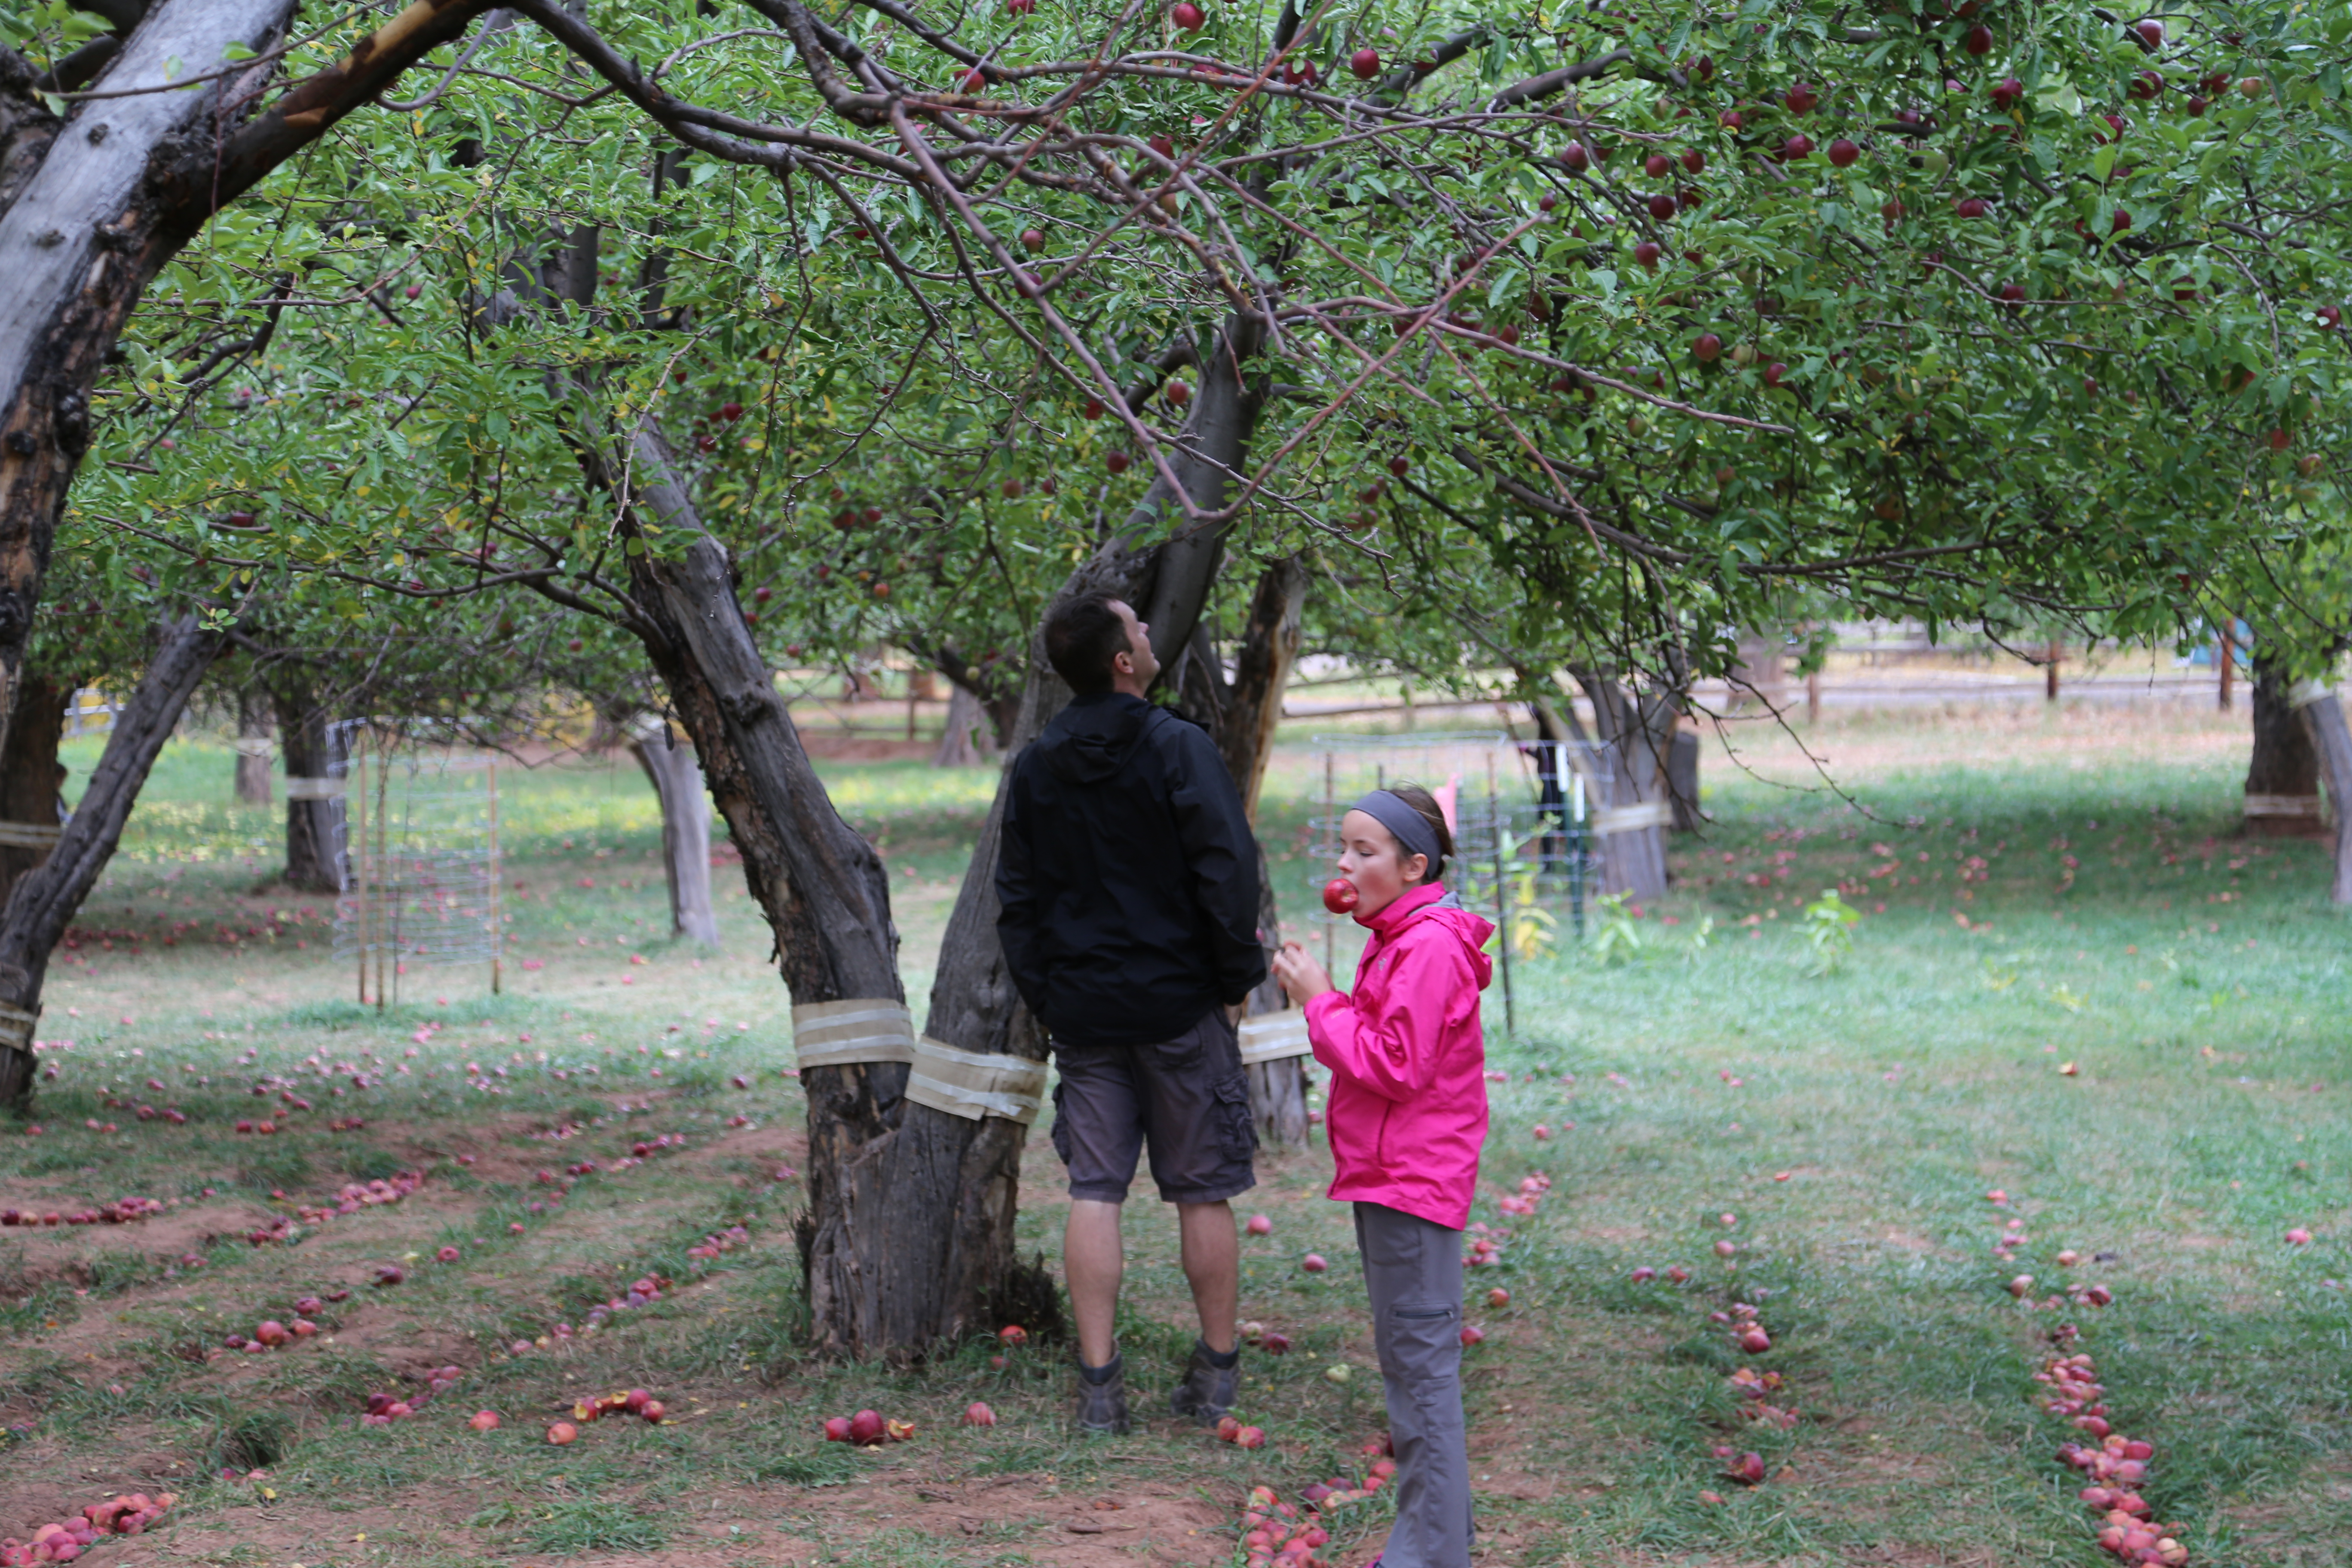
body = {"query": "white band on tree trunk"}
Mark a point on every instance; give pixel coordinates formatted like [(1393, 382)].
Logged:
[(31, 835), (299, 788), (1632, 818), (973, 1084), (1272, 1037), (862, 1029), (2304, 693), (17, 1026), (255, 746), (2282, 806)]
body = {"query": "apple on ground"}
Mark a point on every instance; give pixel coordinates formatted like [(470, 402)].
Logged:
[(1313, 1263), (484, 1421), (561, 1433), (1259, 1225)]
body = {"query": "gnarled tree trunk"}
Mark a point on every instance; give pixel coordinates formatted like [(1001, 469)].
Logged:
[(44, 900), (32, 780), (2282, 798), (969, 736), (314, 811), (1638, 728), (686, 831)]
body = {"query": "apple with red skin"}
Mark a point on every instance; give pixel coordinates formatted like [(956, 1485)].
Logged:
[(1033, 239), (1472, 1334), (1730, 120), (1657, 165), (1753, 1340), (2008, 93), (272, 1333), (1977, 40), (1842, 153), (484, 1421), (1661, 206), (1644, 1274), (977, 1414), (1775, 374), (1647, 254), (867, 1427), (1313, 1263), (2151, 33), (1020, 7), (1014, 1335), (2123, 221), (562, 1433), (1250, 1438), (1971, 206), (1274, 1344), (1178, 394), (1117, 462), (2013, 293), (1694, 161), (2298, 1237), (1341, 895), (2280, 440), (1747, 1467), (1259, 1225), (1575, 158), (1187, 16), (836, 1429), (2330, 317), (1800, 99), (1365, 64), (1498, 1297), (447, 1255)]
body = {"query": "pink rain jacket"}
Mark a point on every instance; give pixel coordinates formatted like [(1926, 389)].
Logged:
[(1408, 1060)]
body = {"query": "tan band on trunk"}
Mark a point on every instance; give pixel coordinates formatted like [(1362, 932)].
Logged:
[(973, 1084), (1272, 1037), (256, 746), (31, 835), (299, 788), (1632, 818), (2282, 806), (2304, 693), (17, 1026), (862, 1029)]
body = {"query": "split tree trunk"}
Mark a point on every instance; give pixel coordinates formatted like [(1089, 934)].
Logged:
[(686, 832), (314, 821), (97, 204), (1639, 729), (2324, 715), (252, 747), (44, 900), (2281, 798)]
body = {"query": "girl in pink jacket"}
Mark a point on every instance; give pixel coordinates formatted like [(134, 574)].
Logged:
[(1407, 1118)]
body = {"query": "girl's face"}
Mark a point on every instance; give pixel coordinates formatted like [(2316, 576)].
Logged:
[(1371, 858)]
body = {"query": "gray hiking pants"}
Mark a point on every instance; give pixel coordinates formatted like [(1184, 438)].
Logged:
[(1412, 1268)]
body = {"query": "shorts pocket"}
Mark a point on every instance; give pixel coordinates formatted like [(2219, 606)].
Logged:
[(1061, 1125), (1181, 1057), (1237, 1129)]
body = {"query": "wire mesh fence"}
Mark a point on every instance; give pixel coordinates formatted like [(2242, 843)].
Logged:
[(422, 869)]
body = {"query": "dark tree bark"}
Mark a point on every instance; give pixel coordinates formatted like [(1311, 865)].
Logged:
[(252, 746), (31, 778), (45, 899), (97, 204), (314, 817), (2282, 798), (676, 779)]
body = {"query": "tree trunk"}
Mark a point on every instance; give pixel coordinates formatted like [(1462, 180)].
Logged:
[(43, 901), (969, 736), (2282, 798), (95, 207), (1632, 827), (32, 780), (686, 832), (314, 807), (2324, 712), (252, 747)]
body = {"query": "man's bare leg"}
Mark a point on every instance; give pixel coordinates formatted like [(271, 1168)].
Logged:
[(1212, 1262), (1093, 1259)]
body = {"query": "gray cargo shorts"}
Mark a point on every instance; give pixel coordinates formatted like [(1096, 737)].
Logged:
[(1185, 1099)]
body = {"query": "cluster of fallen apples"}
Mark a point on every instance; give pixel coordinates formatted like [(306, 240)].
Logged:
[(352, 1197), (1276, 1534), (1531, 1193), (633, 1401), (383, 1409), (719, 1243), (122, 1211), (868, 1429), (1231, 1430), (1486, 1246), (66, 1541), (2116, 1467)]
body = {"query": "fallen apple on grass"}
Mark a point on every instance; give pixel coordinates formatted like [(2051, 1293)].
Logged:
[(1259, 1225), (562, 1433), (1313, 1263), (977, 1414), (1498, 1297), (484, 1421)]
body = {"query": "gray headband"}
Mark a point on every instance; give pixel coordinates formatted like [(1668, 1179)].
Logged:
[(1411, 829)]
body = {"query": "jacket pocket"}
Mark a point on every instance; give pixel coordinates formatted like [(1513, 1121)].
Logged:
[(1236, 1130), (1061, 1125)]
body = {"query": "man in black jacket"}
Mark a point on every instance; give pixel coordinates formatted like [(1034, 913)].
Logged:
[(1128, 882)]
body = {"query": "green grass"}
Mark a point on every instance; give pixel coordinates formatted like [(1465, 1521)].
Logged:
[(2206, 1116)]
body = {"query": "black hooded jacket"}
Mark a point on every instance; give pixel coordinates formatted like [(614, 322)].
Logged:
[(1128, 877)]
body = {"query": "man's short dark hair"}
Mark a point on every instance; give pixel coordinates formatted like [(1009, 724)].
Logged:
[(1082, 637)]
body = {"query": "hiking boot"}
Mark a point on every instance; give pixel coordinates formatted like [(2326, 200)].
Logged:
[(1102, 1398), (1211, 1385)]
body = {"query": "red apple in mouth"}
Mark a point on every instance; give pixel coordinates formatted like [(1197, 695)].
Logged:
[(1340, 894)]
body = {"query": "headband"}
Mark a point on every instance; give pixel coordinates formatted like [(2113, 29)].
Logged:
[(1408, 827)]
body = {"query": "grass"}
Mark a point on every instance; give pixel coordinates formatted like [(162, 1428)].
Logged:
[(1850, 1123)]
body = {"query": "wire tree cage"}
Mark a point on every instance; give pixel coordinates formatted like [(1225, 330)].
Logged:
[(422, 877)]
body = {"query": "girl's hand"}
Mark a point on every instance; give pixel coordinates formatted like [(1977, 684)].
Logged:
[(1301, 976)]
